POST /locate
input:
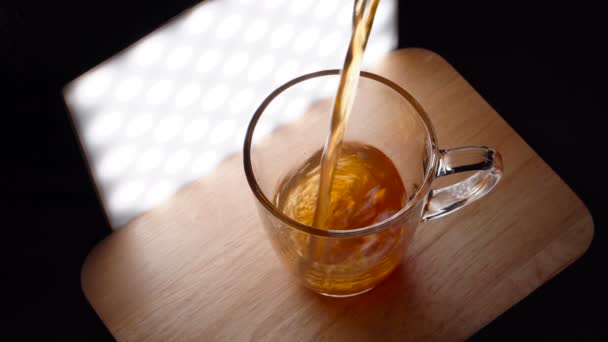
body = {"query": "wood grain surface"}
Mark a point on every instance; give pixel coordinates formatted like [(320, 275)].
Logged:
[(200, 267)]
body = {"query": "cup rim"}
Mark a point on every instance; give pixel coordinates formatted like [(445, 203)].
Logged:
[(432, 163)]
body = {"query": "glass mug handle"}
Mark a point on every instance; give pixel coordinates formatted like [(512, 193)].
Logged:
[(488, 164)]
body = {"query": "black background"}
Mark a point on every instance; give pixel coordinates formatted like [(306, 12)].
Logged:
[(540, 65)]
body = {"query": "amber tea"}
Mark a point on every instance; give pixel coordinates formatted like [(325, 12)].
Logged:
[(366, 189)]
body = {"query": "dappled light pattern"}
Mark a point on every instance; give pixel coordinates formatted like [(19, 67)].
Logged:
[(170, 108)]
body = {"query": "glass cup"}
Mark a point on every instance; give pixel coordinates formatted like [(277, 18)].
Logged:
[(292, 124)]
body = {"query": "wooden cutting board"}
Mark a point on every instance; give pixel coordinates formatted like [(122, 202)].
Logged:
[(201, 268)]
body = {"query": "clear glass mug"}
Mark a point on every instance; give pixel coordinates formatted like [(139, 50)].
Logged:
[(349, 262)]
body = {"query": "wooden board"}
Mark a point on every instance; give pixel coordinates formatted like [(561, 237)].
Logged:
[(201, 268)]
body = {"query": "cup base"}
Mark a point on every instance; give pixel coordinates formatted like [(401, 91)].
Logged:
[(344, 295)]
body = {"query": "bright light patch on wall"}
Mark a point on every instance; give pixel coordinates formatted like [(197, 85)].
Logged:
[(171, 107)]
